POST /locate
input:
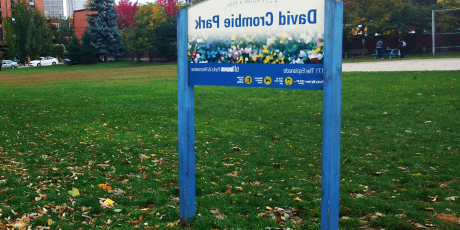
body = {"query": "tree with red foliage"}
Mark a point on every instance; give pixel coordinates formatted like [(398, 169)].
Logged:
[(126, 10), (171, 6)]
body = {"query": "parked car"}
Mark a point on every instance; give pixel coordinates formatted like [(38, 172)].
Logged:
[(43, 61), (7, 64)]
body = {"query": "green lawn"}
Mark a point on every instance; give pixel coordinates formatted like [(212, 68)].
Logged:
[(72, 135)]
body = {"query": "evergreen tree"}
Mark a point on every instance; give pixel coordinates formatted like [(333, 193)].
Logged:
[(87, 54), (103, 28), (74, 49)]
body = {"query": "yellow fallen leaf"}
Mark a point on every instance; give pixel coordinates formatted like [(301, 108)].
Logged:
[(262, 214), (50, 222), (297, 199), (75, 192)]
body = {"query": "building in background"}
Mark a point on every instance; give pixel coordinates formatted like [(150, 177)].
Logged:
[(79, 22), (79, 4), (74, 5), (53, 8), (70, 7), (7, 10)]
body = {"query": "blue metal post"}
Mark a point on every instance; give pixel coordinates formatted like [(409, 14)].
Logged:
[(186, 108), (332, 87)]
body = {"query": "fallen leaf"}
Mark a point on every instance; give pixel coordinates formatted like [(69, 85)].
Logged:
[(106, 203), (118, 192), (105, 187), (451, 198), (217, 213), (443, 185), (376, 216), (75, 192), (419, 225)]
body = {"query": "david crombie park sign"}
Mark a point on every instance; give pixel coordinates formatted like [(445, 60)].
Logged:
[(288, 44)]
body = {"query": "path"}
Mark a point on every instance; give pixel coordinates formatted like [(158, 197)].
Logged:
[(404, 65)]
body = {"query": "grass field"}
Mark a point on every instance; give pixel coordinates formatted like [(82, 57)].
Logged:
[(72, 137)]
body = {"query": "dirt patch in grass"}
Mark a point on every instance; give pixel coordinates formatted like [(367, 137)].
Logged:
[(449, 218), (147, 73)]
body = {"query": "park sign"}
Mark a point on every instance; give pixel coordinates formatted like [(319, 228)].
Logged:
[(294, 44), (257, 43)]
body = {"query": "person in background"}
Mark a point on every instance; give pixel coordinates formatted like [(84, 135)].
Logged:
[(380, 49), (402, 47), (15, 60), (1, 62)]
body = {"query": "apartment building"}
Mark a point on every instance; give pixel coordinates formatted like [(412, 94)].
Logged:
[(70, 7), (7, 10), (74, 5), (53, 8)]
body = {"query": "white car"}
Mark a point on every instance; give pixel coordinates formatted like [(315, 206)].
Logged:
[(43, 61)]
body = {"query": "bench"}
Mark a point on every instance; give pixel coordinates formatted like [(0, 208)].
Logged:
[(387, 52)]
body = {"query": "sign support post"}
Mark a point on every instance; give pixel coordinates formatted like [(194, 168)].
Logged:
[(332, 96), (186, 120)]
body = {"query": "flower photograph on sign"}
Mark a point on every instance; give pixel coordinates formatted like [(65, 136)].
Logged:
[(281, 48), (256, 32)]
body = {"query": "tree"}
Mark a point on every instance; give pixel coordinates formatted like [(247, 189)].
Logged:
[(28, 34), (411, 16), (140, 37), (39, 39), (87, 54), (135, 41), (66, 31), (165, 36), (170, 6), (448, 22), (17, 30), (372, 15), (103, 28), (10, 38), (425, 2), (126, 10), (74, 49)]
